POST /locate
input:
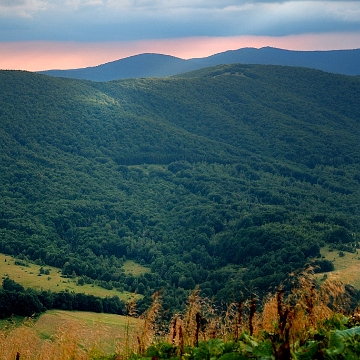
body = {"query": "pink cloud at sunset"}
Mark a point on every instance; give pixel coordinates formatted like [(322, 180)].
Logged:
[(44, 55)]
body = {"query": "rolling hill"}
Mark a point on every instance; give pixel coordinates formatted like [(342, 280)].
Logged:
[(344, 62), (229, 177)]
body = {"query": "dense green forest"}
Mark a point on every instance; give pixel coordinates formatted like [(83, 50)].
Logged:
[(228, 177)]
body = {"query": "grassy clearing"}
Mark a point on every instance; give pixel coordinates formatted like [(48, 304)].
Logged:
[(29, 277), (131, 267), (346, 267)]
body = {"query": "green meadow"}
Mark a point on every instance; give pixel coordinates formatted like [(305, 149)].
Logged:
[(28, 275), (346, 266)]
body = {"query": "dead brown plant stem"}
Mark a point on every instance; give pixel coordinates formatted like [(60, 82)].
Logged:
[(198, 324), (283, 312), (238, 320), (310, 300), (252, 312), (174, 330), (181, 342)]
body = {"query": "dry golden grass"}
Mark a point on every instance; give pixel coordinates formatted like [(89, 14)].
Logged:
[(303, 309), (150, 317), (65, 335), (288, 317), (102, 330), (24, 343)]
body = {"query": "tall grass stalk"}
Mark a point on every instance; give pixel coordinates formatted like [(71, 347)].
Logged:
[(124, 346), (189, 320), (148, 332)]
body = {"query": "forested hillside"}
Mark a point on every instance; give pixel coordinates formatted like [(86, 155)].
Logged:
[(228, 177)]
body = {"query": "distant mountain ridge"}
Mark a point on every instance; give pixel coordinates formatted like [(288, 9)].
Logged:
[(345, 62)]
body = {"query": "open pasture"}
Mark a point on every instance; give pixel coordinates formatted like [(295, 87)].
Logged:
[(347, 266), (28, 275)]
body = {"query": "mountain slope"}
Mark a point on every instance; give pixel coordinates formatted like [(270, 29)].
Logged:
[(228, 177), (138, 66), (345, 62)]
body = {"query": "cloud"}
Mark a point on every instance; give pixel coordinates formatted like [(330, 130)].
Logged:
[(12, 3), (28, 8), (22, 8), (350, 12), (123, 20), (207, 18), (78, 4)]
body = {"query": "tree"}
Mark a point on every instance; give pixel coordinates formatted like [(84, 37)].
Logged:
[(28, 304), (10, 285), (186, 282)]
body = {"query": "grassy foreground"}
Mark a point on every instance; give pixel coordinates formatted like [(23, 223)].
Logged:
[(61, 334), (301, 320)]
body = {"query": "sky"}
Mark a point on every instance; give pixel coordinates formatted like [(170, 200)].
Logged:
[(67, 34)]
